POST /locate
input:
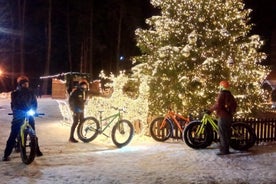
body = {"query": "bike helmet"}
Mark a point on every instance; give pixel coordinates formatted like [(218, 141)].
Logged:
[(22, 79), (223, 85)]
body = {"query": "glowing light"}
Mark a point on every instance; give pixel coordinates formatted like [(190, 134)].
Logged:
[(210, 47), (31, 112), (122, 58)]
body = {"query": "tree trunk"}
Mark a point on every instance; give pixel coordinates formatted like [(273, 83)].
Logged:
[(90, 71), (119, 39), (49, 48), (69, 39), (21, 14)]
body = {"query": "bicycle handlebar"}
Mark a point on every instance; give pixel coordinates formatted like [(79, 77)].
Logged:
[(36, 114), (120, 109)]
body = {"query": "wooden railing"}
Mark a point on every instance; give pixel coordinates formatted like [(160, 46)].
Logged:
[(265, 129)]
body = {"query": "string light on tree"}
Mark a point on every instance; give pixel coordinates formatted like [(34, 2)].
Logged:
[(213, 42)]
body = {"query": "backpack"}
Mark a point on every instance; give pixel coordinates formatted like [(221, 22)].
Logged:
[(230, 103)]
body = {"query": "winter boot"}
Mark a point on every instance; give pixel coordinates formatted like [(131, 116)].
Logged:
[(38, 152), (73, 140)]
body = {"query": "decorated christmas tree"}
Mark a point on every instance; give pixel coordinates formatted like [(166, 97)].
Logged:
[(193, 45)]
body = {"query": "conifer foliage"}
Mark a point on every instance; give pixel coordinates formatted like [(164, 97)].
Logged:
[(194, 44)]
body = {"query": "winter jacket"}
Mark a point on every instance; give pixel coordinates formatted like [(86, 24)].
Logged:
[(23, 99), (225, 105), (77, 100)]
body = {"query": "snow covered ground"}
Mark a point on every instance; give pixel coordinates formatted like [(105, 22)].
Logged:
[(142, 161)]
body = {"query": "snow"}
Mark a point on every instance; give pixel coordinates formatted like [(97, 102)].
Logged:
[(142, 161)]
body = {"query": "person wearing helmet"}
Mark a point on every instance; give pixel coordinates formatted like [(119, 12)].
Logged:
[(225, 107), (77, 101), (22, 100)]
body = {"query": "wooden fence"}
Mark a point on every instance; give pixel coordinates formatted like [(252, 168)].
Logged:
[(265, 129)]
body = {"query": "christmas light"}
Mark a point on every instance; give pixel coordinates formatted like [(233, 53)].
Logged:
[(213, 43)]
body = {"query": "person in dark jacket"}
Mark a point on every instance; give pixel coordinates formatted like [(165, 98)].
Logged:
[(22, 100), (77, 101), (225, 107)]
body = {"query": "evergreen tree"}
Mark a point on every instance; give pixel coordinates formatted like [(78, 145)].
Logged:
[(193, 45)]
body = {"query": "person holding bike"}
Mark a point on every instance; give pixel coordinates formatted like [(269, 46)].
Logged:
[(225, 107), (22, 100), (77, 101)]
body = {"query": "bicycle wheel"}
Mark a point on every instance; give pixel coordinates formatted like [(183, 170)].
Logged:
[(28, 146), (197, 140), (160, 132), (88, 129), (243, 136), (122, 133)]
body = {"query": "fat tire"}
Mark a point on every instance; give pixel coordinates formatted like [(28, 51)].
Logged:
[(125, 128), (28, 147), (88, 129), (188, 135), (158, 134), (210, 137), (245, 139)]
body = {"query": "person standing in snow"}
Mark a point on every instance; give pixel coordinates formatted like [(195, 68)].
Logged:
[(77, 101), (22, 100), (225, 107)]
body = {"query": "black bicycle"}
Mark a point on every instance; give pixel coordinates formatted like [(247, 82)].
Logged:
[(26, 139)]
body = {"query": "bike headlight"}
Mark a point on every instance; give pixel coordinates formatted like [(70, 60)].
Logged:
[(31, 112)]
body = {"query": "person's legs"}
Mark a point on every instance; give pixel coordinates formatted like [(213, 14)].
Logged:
[(73, 127), (11, 141), (224, 132)]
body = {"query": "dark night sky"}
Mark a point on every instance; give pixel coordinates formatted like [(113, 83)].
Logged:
[(264, 19), (105, 31)]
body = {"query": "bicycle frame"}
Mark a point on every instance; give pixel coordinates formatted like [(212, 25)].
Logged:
[(113, 117), (121, 132), (23, 127), (209, 119), (172, 115), (205, 120)]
